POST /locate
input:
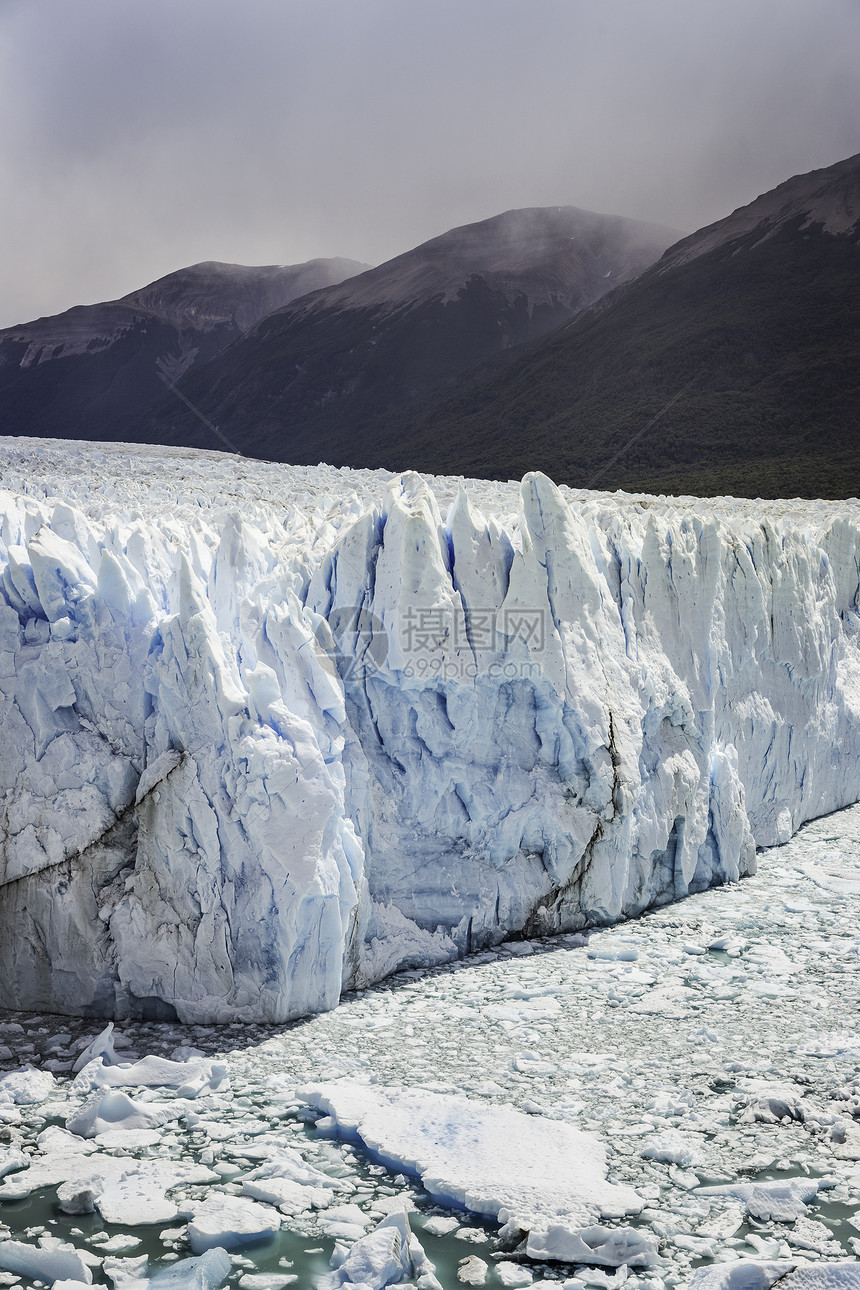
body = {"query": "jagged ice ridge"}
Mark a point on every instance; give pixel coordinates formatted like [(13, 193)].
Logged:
[(271, 732)]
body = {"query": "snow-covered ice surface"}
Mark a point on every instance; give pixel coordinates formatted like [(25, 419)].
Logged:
[(270, 732), (707, 1054)]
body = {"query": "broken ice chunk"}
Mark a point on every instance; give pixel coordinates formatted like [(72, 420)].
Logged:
[(745, 1274), (387, 1256), (290, 1183), (189, 1078), (267, 1280), (104, 1112), (26, 1087), (620, 949), (230, 1222), (670, 1148), (207, 1272), (771, 1103), (345, 1222), (54, 1261), (116, 1244), (12, 1159), (129, 1139), (100, 1047), (472, 1271), (776, 1201), (845, 1140), (80, 1196), (609, 1246), (125, 1272), (513, 1274), (124, 1191), (442, 1225)]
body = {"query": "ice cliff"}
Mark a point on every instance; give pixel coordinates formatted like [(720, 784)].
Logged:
[(270, 732)]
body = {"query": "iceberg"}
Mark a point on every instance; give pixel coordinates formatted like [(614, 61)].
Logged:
[(207, 1272), (390, 1255), (274, 732), (51, 1260)]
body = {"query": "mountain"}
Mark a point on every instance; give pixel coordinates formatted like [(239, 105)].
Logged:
[(87, 372), (339, 374), (732, 365)]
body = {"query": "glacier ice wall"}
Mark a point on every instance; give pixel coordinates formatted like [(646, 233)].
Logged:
[(274, 734)]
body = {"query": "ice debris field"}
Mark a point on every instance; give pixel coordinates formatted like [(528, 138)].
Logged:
[(671, 1102), (271, 732)]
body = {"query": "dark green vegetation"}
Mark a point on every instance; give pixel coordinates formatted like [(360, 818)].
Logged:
[(759, 341)]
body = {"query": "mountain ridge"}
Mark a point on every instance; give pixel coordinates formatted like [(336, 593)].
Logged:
[(346, 365), (753, 321), (113, 355)]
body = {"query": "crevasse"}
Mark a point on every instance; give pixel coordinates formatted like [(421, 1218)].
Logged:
[(254, 754)]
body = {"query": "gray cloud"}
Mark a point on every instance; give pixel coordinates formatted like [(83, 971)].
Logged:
[(140, 137)]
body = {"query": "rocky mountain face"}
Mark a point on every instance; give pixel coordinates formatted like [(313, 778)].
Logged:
[(89, 372), (729, 366), (340, 374)]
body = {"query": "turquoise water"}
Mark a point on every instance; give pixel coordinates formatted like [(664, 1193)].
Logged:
[(306, 1258)]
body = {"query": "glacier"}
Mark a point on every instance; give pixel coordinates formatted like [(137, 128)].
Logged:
[(271, 732)]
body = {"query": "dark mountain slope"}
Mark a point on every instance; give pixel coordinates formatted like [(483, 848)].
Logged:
[(88, 372), (337, 375), (751, 325)]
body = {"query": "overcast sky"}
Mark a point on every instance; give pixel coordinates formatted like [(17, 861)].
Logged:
[(142, 135)]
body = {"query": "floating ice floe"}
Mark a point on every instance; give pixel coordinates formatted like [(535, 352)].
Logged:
[(100, 1047), (542, 1176), (267, 1280), (672, 1148), (207, 1272), (51, 1260), (12, 1159), (291, 1184), (772, 1103), (472, 1271), (124, 1191), (777, 1201), (749, 1275), (190, 1078), (230, 1222), (606, 1246)]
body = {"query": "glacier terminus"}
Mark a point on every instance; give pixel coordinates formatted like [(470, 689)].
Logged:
[(274, 732)]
